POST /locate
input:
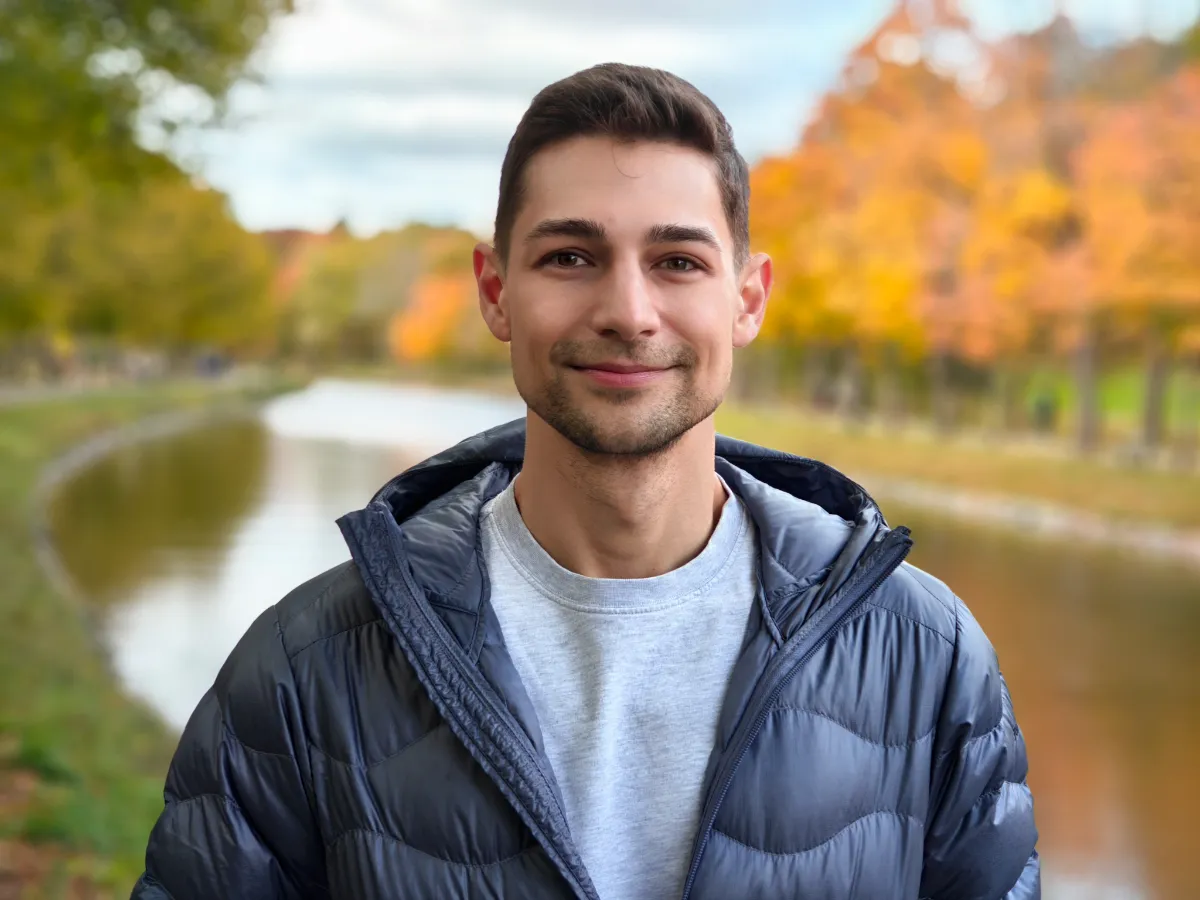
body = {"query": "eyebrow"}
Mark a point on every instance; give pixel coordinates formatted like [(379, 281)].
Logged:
[(682, 234), (590, 229)]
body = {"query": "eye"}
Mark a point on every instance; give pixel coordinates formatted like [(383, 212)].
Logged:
[(680, 264), (564, 259)]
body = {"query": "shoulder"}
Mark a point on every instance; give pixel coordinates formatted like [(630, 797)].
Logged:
[(975, 696), (334, 602), (913, 594), (261, 695), (928, 601)]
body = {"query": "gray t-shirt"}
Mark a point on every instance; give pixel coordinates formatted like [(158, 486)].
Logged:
[(627, 677)]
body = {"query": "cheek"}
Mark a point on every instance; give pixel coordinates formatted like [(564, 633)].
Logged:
[(708, 330), (539, 321), (533, 335)]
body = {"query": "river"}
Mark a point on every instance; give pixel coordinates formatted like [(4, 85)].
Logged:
[(185, 540)]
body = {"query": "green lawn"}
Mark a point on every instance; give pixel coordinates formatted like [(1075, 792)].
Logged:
[(81, 765), (1143, 495), (1121, 394)]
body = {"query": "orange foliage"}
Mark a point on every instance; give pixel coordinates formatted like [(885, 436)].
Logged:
[(1140, 193), (426, 328), (917, 214)]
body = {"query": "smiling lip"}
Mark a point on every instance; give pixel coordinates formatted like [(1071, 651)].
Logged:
[(622, 375)]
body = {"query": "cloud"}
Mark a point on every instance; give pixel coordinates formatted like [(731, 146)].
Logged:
[(389, 110), (385, 111), (1102, 22)]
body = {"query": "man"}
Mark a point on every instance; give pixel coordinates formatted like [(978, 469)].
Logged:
[(605, 653)]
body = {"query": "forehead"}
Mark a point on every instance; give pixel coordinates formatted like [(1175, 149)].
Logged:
[(627, 187)]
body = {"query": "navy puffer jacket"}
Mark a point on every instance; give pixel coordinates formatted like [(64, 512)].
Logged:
[(369, 736)]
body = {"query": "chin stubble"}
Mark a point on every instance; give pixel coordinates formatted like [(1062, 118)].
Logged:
[(655, 433)]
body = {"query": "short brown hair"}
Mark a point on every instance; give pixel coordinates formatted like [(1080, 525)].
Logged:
[(626, 103)]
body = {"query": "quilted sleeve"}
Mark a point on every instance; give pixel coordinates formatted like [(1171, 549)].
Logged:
[(238, 819), (980, 841)]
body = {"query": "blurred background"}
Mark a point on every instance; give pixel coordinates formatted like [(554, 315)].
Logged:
[(236, 298)]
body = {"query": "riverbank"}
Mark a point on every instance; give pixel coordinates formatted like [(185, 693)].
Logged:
[(1145, 511), (81, 764), (1034, 487)]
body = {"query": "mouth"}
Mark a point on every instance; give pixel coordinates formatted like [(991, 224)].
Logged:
[(621, 374)]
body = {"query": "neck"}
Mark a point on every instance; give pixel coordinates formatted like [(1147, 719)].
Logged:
[(619, 517)]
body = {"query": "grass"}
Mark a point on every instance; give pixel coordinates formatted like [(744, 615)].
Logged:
[(89, 760), (1142, 495), (1120, 393)]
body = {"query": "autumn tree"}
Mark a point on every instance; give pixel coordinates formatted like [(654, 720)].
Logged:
[(439, 320), (999, 207), (78, 77), (878, 190), (408, 294), (79, 81), (425, 329), (323, 303), (1011, 269), (791, 194)]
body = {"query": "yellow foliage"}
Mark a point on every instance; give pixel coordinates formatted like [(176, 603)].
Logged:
[(907, 217)]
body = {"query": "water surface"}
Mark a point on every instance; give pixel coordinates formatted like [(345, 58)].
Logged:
[(186, 540)]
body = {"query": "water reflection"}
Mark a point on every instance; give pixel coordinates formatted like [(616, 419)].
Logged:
[(200, 533), (174, 630), (166, 501), (1100, 652)]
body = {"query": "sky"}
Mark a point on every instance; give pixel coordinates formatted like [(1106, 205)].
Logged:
[(383, 112)]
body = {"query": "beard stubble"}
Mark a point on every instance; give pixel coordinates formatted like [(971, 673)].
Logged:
[(635, 423)]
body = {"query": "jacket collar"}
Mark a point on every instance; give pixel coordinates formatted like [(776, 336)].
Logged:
[(814, 523)]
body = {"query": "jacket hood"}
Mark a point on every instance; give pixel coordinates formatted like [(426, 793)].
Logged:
[(815, 524)]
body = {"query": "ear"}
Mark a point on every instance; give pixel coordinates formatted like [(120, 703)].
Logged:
[(757, 276), (489, 277)]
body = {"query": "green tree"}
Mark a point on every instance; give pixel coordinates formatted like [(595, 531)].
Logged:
[(99, 230), (77, 77)]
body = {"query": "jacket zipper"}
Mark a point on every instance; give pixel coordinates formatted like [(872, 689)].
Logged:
[(579, 882), (782, 670)]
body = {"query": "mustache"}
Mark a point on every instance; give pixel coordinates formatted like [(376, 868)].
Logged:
[(581, 354)]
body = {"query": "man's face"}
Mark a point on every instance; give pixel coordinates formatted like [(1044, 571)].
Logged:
[(620, 296)]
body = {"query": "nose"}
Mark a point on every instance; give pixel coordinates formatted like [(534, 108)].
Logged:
[(625, 305)]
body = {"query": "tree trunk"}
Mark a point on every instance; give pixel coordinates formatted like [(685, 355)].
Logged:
[(1017, 411), (1158, 373), (1007, 382), (757, 375), (1087, 387), (850, 386), (773, 384), (941, 395), (819, 377), (891, 387), (1187, 443), (740, 383)]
